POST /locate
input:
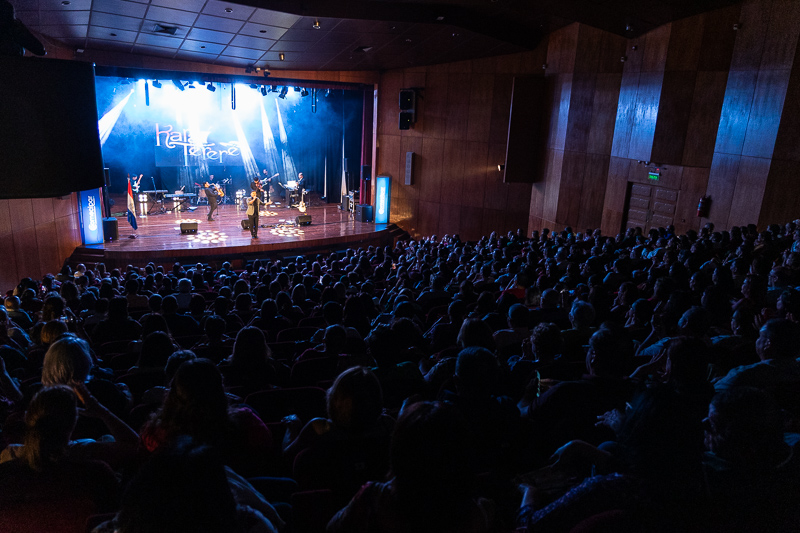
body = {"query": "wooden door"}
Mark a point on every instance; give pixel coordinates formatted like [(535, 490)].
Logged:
[(649, 206)]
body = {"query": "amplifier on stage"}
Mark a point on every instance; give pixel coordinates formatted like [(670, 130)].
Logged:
[(364, 213)]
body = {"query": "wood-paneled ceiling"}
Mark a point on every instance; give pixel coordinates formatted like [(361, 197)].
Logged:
[(351, 34)]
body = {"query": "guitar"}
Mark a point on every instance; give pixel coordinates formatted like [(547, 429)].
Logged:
[(214, 186), (135, 183), (266, 181), (302, 206)]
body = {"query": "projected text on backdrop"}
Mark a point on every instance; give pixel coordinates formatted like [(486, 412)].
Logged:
[(185, 147)]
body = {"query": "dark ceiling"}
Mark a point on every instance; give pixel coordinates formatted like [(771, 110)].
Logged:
[(351, 34)]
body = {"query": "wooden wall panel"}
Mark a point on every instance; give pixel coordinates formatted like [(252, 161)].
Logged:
[(593, 191), (428, 218), (68, 231), (449, 219), (674, 109), (518, 197), (501, 105), (65, 206), (496, 193), (27, 254), (701, 131), (388, 103), (42, 210), (604, 113), (580, 111), (765, 115), (749, 45), (494, 220), (721, 184), (388, 159), (430, 167), (552, 184), (455, 154), (780, 202), (435, 98), (458, 94), (686, 35), (750, 184), (475, 174), (656, 45), (693, 185), (644, 123), (5, 217), (569, 200), (561, 49), (480, 107), (47, 248), (560, 87), (9, 274), (781, 39), (626, 113), (21, 214), (786, 145), (736, 111), (471, 222), (719, 38), (589, 48)]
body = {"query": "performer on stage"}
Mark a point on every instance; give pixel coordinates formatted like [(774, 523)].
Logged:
[(213, 198), (293, 195), (253, 206)]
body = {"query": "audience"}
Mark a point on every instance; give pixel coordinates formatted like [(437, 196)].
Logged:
[(570, 347)]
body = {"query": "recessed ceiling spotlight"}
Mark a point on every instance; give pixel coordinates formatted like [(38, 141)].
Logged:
[(65, 2), (281, 56), (202, 46), (113, 34), (228, 10), (262, 31), (316, 25)]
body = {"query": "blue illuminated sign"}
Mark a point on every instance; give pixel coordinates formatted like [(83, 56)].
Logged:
[(382, 188), (91, 217)]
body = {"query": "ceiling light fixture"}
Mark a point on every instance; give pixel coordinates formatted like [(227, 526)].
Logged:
[(228, 10), (178, 84), (281, 56), (316, 25), (253, 86), (211, 87), (263, 90), (304, 92), (283, 92), (156, 84)]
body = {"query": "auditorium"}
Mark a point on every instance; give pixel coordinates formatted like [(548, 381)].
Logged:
[(399, 266)]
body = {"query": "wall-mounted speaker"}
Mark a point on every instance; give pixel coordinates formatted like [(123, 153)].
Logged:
[(408, 99), (409, 167), (406, 119), (188, 228)]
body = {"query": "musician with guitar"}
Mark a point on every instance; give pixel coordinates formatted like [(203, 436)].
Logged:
[(262, 185), (135, 183), (213, 194)]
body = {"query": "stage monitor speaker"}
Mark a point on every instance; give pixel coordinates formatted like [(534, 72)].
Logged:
[(303, 220), (364, 213), (406, 119), (409, 167), (345, 203), (188, 228), (110, 229), (408, 99), (246, 223)]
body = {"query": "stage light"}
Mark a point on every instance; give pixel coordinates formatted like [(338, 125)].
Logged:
[(178, 84), (253, 86), (327, 93), (146, 94), (264, 90), (297, 89), (316, 25), (281, 56), (304, 92), (211, 87), (274, 88), (156, 84), (190, 85), (283, 93)]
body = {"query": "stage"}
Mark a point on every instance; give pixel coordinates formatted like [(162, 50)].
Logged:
[(159, 239)]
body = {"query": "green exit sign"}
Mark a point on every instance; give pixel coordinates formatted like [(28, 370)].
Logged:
[(654, 175)]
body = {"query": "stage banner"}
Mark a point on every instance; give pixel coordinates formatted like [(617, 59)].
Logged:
[(175, 147), (382, 190), (91, 217)]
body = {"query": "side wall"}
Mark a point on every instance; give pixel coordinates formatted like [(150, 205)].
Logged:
[(714, 108)]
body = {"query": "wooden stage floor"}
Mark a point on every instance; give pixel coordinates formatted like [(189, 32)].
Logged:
[(158, 237)]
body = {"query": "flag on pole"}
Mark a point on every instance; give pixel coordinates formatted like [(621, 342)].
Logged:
[(131, 207)]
